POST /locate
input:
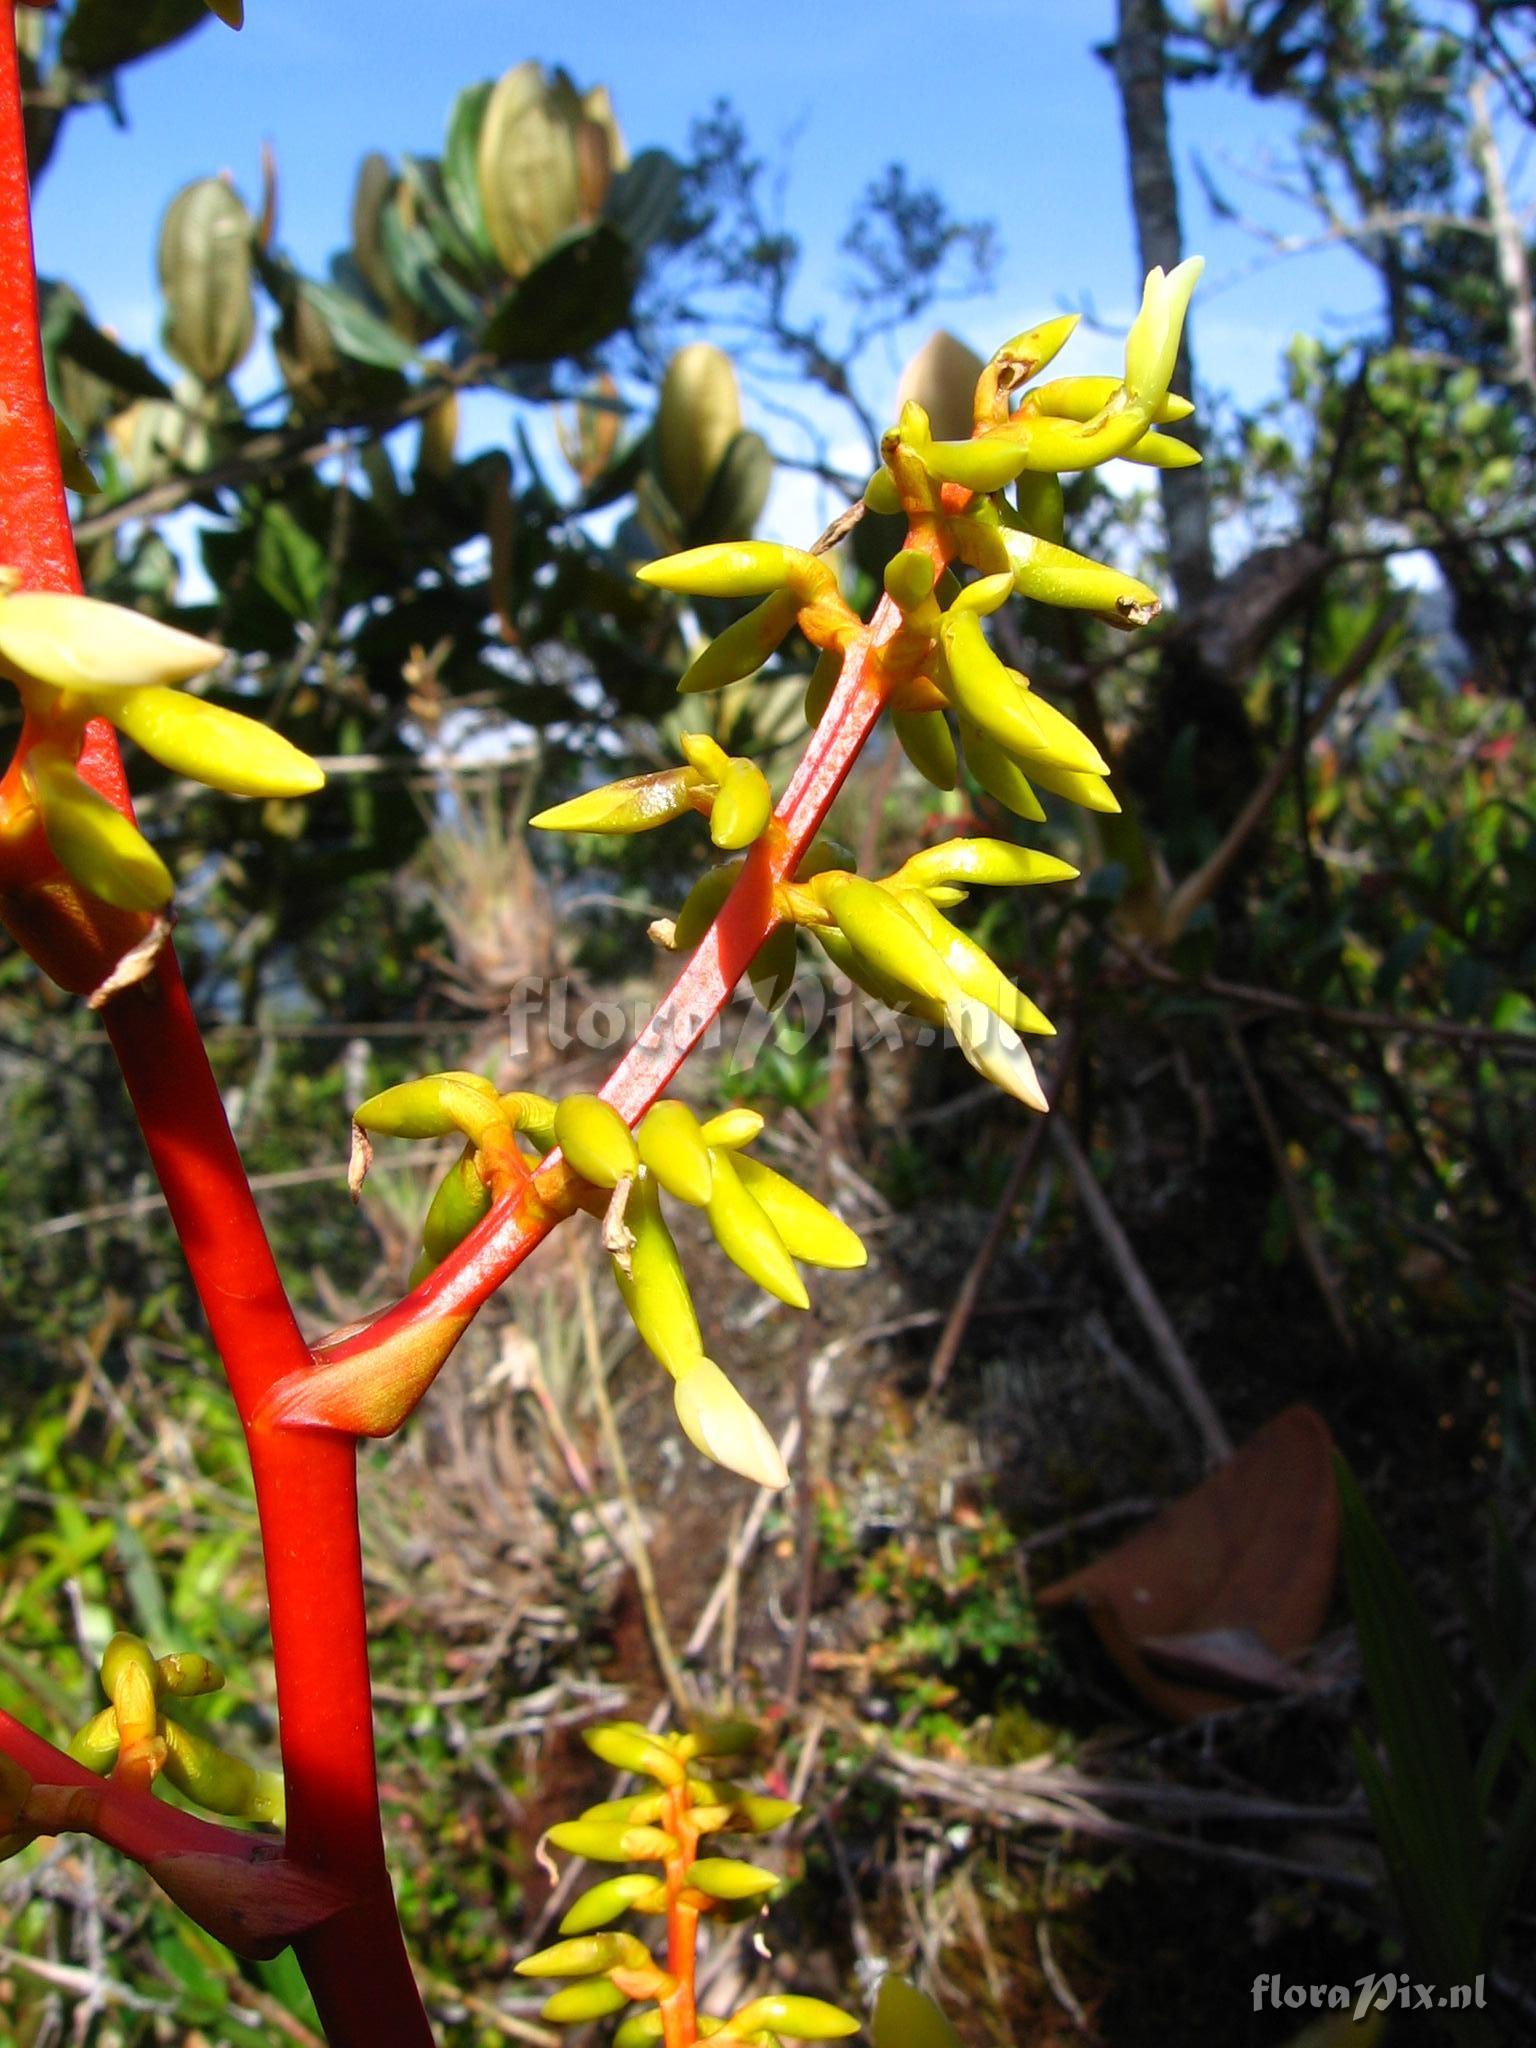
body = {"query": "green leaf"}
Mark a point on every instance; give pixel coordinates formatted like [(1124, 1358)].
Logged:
[(461, 185), (69, 331), (906, 2018), (575, 298), (355, 331), (1401, 957), (1435, 1847), (102, 34), (290, 564), (1510, 1861), (642, 200)]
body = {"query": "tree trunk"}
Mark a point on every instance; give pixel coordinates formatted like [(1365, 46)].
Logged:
[(1136, 58)]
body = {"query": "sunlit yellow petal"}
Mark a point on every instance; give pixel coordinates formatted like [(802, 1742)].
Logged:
[(80, 643), (222, 748), (725, 1427), (104, 851)]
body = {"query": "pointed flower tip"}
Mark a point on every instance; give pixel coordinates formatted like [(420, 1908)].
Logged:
[(82, 643), (720, 1423)]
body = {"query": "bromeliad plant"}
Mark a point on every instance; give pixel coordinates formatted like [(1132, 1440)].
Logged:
[(668, 1827), (87, 896)]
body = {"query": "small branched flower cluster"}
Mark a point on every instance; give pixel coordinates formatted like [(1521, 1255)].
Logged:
[(926, 660), (761, 1220), (135, 1742), (667, 1827)]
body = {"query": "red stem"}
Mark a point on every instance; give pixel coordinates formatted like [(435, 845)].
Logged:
[(305, 1484)]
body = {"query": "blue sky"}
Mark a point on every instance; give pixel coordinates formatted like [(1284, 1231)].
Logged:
[(1001, 103)]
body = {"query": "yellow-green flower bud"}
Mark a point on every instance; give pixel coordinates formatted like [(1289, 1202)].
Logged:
[(216, 1780), (95, 1745), (641, 2029), (905, 2017), (672, 1148), (927, 742), (822, 682), (462, 1199), (80, 643), (761, 1813), (433, 1107), (1091, 791), (803, 2019), (743, 647), (606, 1901), (612, 1841), (988, 863), (974, 969), (702, 904), (1153, 342), (987, 594), (655, 1288), (1055, 575), (732, 1128), (909, 578), (630, 1748), (220, 748), (586, 1956), (738, 568), (848, 960), (1084, 398), (999, 774), (104, 851), (809, 1231), (185, 1675), (638, 803), (742, 807), (879, 928), (1027, 354), (1041, 509), (722, 1877), (999, 701), (772, 970), (881, 494), (596, 1141), (716, 1739), (987, 464), (640, 1809), (591, 2001), (1162, 451), (533, 1115), (705, 754), (994, 1049), (718, 1422), (126, 1661), (747, 1237)]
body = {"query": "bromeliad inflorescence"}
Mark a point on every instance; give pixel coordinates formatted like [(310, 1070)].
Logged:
[(136, 1741), (761, 1220), (667, 1827), (984, 522)]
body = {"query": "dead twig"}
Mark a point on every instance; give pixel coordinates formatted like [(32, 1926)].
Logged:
[(1516, 1044), (953, 1334), (1154, 1317)]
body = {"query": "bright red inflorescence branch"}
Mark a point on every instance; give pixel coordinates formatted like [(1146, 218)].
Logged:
[(305, 1484)]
